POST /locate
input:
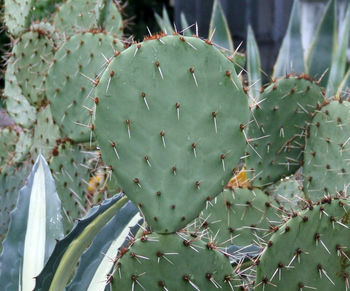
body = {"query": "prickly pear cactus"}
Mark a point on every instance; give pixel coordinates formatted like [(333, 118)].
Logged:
[(31, 57), (69, 85), (311, 251), (17, 15), (167, 143), (326, 168), (76, 15), (113, 20), (172, 262), (278, 127), (71, 174), (45, 133), (239, 217)]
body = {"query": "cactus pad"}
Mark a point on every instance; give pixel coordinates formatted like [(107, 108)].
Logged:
[(71, 173), (114, 22), (17, 15), (68, 87), (278, 127), (239, 216), (32, 55), (326, 167), (45, 133), (311, 251), (169, 121), (76, 15), (172, 262)]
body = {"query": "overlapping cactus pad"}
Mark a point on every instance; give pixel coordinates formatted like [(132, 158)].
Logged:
[(310, 252), (68, 87), (76, 15), (240, 217), (173, 262), (17, 15), (171, 126), (278, 126), (326, 168)]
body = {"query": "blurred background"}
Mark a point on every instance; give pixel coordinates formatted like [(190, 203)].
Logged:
[(268, 18)]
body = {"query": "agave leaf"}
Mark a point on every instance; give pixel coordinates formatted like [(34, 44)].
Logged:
[(34, 227), (319, 56), (338, 65), (184, 25), (97, 261), (253, 65), (290, 57), (164, 21), (61, 264), (343, 91), (219, 30)]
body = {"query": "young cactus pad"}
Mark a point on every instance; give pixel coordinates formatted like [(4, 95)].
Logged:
[(278, 126), (169, 121), (310, 252), (326, 168), (172, 262), (68, 87)]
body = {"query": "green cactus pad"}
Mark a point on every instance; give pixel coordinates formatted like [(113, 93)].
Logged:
[(68, 87), (310, 252), (172, 262), (11, 180), (71, 174), (45, 133), (114, 21), (239, 216), (169, 121), (32, 55), (277, 128), (17, 15), (76, 15), (326, 167), (17, 105)]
